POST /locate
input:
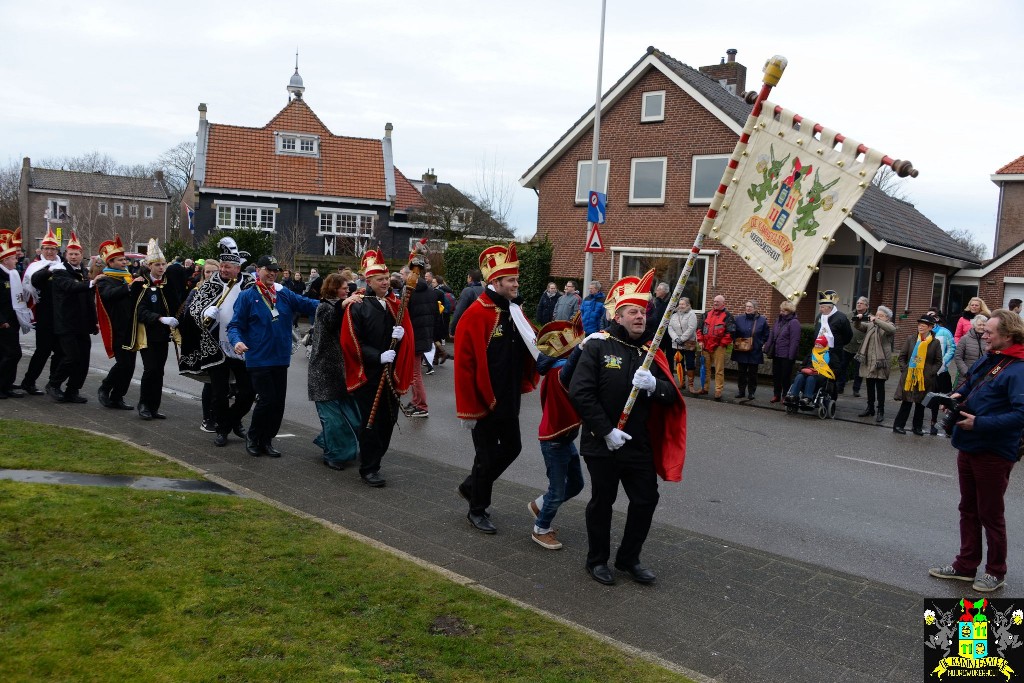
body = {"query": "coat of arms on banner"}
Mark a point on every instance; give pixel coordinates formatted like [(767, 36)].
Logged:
[(973, 638), (788, 195)]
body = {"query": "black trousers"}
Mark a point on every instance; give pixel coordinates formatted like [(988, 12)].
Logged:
[(944, 385), (74, 363), (876, 393), (119, 378), (904, 413), (271, 387), (207, 401), (10, 354), (46, 344), (747, 380), (782, 375), (640, 482), (153, 360), (375, 441), (225, 413), (497, 442)]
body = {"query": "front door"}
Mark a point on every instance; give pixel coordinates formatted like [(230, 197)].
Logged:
[(841, 279)]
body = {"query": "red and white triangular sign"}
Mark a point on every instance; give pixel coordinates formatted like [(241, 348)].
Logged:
[(594, 243)]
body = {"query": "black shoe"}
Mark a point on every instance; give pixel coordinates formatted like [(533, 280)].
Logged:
[(334, 465), (374, 480), (639, 573), (867, 413), (856, 394), (73, 397), (879, 416), (750, 396), (238, 431), (270, 451), (14, 393), (31, 389), (119, 404), (104, 397), (252, 448), (55, 393), (741, 395), (481, 522), (144, 412), (602, 574), (158, 416), (935, 430), (918, 432), (220, 440), (898, 430)]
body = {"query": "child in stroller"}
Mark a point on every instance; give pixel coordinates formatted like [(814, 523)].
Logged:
[(814, 386)]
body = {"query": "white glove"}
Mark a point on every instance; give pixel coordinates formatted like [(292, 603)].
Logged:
[(397, 332), (644, 380), (169, 321), (594, 335), (468, 424), (211, 313), (56, 265), (387, 357), (616, 439)]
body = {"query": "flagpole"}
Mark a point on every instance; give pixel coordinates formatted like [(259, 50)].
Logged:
[(588, 260), (773, 70)]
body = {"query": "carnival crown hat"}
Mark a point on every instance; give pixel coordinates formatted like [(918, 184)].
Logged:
[(73, 242), (630, 291), (7, 247), (499, 261), (51, 239), (372, 263), (559, 337), (111, 249), (829, 296), (153, 252)]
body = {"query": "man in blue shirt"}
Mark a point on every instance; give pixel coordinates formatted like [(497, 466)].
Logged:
[(261, 330)]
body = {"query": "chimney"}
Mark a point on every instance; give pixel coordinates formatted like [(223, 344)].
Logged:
[(202, 111), (159, 175), (429, 177), (387, 129), (730, 73)]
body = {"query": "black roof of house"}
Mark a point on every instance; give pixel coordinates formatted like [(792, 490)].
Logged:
[(96, 184)]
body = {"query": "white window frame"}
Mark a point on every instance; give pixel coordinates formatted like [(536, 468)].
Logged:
[(365, 222), (295, 143), (693, 176), (633, 199), (101, 208), (133, 211), (118, 210), (148, 212), (55, 207), (938, 279), (705, 256), (583, 179), (263, 213), (649, 118)]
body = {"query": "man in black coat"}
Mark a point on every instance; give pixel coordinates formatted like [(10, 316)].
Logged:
[(176, 278), (10, 326), (114, 311), (546, 305), (155, 307), (608, 369), (37, 277), (74, 320), (836, 327), (474, 287), (423, 313)]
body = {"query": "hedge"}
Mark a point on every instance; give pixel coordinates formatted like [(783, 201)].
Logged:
[(534, 267)]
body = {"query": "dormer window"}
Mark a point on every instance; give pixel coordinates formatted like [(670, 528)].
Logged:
[(300, 144)]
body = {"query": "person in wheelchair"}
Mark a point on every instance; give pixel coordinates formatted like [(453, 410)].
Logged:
[(814, 374)]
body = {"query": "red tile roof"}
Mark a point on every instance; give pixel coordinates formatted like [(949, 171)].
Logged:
[(244, 158), (1014, 167), (407, 196)]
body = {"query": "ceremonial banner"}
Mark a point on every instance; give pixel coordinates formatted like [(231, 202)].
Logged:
[(788, 195)]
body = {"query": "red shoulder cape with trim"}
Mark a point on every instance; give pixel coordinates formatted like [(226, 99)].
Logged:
[(558, 417), (667, 425), (352, 351), (474, 396)]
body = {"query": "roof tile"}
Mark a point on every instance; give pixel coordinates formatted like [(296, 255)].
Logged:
[(96, 184), (1014, 167)]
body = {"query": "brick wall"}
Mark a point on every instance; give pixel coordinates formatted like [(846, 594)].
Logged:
[(1011, 218)]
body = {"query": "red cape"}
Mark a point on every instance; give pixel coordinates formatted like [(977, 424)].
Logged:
[(558, 417), (667, 425), (474, 396), (352, 351), (103, 320)]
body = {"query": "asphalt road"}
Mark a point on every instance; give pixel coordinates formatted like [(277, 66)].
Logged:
[(840, 494)]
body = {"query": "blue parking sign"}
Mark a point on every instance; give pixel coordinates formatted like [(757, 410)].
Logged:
[(595, 210)]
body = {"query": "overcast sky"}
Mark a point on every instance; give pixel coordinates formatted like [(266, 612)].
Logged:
[(471, 84)]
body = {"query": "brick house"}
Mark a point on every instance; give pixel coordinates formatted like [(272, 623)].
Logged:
[(667, 131), (322, 195), (95, 205)]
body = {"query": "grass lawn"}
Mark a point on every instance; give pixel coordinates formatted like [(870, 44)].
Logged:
[(34, 446), (108, 584)]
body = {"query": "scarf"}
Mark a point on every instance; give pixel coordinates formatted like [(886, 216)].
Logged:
[(18, 300), (117, 273), (915, 368), (826, 329), (269, 293)]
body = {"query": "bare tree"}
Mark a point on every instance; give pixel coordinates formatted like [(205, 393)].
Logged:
[(291, 242), (968, 241), (888, 182), (10, 179), (445, 209), (179, 165), (495, 192)]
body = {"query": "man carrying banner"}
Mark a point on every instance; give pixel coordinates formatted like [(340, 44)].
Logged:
[(652, 442), (495, 346)]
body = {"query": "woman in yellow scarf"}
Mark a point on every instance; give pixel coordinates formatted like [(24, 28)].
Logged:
[(920, 360)]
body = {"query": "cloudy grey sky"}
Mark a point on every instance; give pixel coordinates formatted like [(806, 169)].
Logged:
[(470, 85)]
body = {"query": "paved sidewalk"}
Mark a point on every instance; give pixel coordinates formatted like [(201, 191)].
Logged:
[(727, 612)]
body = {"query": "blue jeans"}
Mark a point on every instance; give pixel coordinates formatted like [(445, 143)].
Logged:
[(803, 384), (565, 478)]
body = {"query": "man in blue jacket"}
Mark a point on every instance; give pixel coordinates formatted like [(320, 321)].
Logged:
[(261, 329), (988, 439), (592, 310)]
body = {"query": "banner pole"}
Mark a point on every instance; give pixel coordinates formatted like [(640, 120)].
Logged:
[(773, 70)]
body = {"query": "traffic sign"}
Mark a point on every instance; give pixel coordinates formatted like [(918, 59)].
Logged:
[(596, 208), (594, 243)]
